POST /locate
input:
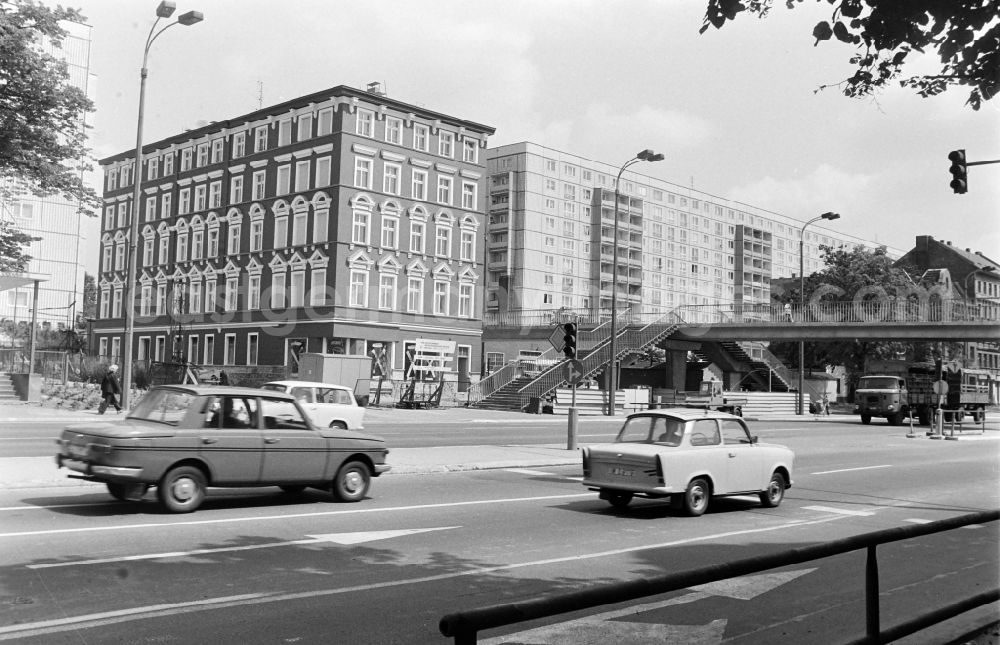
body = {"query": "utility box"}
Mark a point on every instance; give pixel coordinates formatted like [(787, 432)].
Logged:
[(338, 369)]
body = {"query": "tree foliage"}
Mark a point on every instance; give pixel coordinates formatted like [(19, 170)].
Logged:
[(854, 271), (965, 34), (13, 257), (42, 130)]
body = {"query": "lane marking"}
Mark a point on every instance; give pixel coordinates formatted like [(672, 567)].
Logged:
[(841, 511), (87, 621), (344, 539), (528, 471), (262, 518), (850, 470)]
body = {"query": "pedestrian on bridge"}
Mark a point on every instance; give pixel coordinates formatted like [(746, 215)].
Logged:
[(788, 312)]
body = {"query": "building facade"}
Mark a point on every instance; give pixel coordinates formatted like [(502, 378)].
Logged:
[(970, 275), (340, 222), (60, 230), (551, 239)]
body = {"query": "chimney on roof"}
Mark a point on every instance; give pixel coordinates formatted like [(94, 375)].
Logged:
[(948, 242), (375, 87)]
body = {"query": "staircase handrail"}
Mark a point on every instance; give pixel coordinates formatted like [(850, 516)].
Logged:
[(629, 339), (777, 367)]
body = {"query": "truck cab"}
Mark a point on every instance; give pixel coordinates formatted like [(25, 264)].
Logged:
[(881, 396)]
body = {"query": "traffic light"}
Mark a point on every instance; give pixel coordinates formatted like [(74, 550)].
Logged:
[(959, 171), (569, 340)]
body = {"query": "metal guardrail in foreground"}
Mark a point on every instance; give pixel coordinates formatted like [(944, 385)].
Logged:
[(465, 626)]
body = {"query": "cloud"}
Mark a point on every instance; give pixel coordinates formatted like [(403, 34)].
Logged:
[(825, 188)]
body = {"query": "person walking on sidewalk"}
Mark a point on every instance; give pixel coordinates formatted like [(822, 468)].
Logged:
[(110, 389)]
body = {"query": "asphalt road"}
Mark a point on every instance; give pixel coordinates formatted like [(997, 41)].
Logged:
[(258, 566)]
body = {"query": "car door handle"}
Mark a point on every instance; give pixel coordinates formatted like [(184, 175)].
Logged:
[(732, 454), (209, 440), (271, 440)]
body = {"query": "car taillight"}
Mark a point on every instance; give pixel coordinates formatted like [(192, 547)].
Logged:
[(586, 462), (659, 472)]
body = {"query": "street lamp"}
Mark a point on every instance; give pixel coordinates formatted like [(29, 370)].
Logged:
[(165, 10), (802, 298), (645, 155)]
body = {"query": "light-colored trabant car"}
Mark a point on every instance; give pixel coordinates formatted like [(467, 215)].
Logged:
[(183, 439), (330, 406), (689, 456)]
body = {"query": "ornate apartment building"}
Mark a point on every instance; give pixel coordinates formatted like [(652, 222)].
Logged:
[(337, 222), (551, 239)]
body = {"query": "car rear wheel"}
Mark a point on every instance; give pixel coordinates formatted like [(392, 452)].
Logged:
[(352, 482), (338, 425), (775, 491), (182, 489), (696, 497), (619, 499)]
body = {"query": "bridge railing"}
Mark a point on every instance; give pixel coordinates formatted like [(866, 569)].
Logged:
[(891, 310), (465, 626)]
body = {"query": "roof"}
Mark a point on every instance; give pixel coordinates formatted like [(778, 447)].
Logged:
[(686, 414), (206, 390)]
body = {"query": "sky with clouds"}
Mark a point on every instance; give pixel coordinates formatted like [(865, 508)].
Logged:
[(736, 111)]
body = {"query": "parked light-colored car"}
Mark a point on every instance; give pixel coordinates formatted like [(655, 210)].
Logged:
[(329, 406), (183, 439), (689, 456)]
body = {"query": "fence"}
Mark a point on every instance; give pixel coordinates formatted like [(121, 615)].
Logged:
[(465, 626)]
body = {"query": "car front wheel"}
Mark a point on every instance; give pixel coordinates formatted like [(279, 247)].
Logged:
[(775, 491), (352, 482), (182, 489), (696, 497)]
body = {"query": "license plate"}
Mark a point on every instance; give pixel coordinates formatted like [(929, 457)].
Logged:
[(622, 472), (77, 451)]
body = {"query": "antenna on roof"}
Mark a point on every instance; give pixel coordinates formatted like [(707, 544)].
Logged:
[(260, 94)]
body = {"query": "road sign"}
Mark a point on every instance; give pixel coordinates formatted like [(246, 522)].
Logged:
[(556, 338), (940, 387), (574, 371)]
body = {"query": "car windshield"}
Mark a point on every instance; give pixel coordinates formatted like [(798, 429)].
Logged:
[(878, 383), (163, 406), (665, 431)]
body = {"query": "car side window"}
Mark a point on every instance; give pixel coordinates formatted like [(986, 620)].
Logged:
[(239, 412), (734, 432), (668, 431), (343, 397), (303, 394), (282, 415), (213, 412), (705, 432)]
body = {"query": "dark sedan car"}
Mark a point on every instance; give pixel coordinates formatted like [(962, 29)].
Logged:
[(183, 439)]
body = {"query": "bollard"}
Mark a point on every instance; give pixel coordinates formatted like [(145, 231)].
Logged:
[(938, 428), (573, 418), (951, 436), (910, 434)]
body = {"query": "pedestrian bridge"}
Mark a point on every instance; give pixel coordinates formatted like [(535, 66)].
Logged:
[(822, 320)]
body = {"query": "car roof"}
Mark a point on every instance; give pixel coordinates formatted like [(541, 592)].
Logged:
[(306, 384), (686, 414), (208, 390)]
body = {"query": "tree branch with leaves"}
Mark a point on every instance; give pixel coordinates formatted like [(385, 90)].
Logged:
[(965, 35)]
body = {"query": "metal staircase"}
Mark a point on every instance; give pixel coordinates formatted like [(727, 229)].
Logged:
[(632, 336)]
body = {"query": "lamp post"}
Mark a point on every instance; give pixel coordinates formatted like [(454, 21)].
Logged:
[(802, 298), (164, 10), (612, 380)]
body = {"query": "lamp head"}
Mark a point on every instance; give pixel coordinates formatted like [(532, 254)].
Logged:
[(166, 9), (649, 155), (830, 216), (190, 18)]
